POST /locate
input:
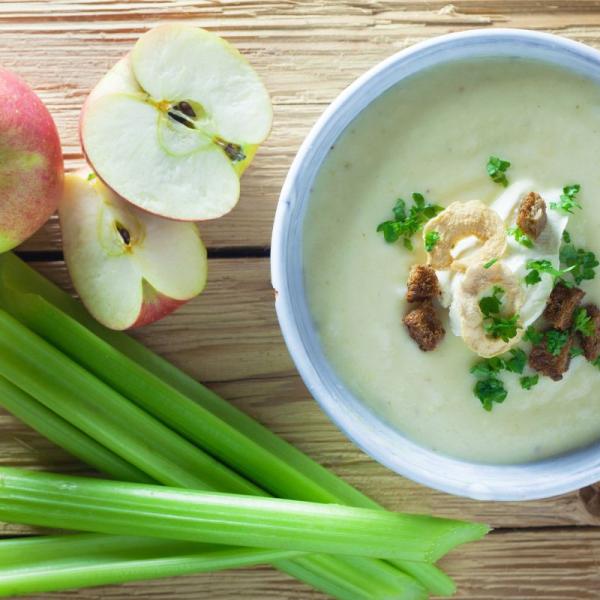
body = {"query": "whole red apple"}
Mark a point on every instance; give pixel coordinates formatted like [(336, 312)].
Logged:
[(31, 164)]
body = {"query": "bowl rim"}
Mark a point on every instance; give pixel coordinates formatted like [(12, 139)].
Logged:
[(525, 481)]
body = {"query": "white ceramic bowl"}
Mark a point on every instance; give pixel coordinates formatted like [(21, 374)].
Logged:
[(363, 426)]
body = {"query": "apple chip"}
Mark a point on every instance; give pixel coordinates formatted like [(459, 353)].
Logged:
[(462, 220)]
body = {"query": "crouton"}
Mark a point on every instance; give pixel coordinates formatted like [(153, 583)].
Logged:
[(561, 306), (543, 361), (424, 326), (422, 284), (591, 343), (532, 216)]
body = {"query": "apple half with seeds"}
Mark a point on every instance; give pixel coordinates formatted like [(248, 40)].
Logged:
[(173, 125), (129, 267)]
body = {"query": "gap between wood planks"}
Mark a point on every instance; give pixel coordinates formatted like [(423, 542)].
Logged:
[(36, 256)]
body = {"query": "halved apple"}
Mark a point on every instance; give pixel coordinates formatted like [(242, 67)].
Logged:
[(174, 124), (129, 267)]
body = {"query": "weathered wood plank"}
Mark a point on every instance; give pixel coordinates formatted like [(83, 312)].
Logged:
[(229, 338), (510, 565), (307, 52)]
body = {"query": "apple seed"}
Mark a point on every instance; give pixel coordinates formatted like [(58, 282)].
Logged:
[(186, 109), (124, 233)]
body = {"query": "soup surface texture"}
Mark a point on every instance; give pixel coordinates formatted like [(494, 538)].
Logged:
[(433, 134)]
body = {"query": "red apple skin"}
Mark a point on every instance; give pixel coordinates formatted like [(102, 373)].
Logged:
[(156, 308), (31, 163)]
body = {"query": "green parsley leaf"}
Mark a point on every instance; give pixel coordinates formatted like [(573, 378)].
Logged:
[(533, 335), (575, 351), (488, 367), (517, 363), (491, 304), (566, 236), (489, 263), (520, 236), (503, 328), (529, 381), (567, 199), (580, 262), (91, 176), (496, 169), (544, 266), (556, 340), (431, 239), (583, 323), (406, 223), (489, 391)]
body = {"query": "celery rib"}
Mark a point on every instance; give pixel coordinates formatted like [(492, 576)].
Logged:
[(281, 462), (63, 434), (77, 396), (54, 563), (116, 508)]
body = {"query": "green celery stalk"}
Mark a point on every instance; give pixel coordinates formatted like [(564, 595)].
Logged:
[(63, 386), (59, 431), (280, 464), (54, 563), (103, 506)]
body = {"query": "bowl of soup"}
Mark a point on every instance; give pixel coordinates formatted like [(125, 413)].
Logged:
[(434, 257)]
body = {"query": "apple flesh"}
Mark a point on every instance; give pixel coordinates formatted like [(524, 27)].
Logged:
[(31, 164), (129, 267), (172, 126)]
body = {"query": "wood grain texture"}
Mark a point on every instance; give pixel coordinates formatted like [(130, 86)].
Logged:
[(307, 51)]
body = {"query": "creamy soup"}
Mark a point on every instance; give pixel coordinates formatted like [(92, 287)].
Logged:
[(433, 134)]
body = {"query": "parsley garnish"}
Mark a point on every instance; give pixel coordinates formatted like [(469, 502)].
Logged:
[(583, 322), (575, 351), (503, 328), (529, 381), (533, 335), (489, 391), (494, 324), (580, 262), (496, 169), (596, 362), (91, 176), (544, 266), (488, 367), (489, 263), (556, 340), (567, 199), (517, 362), (520, 237), (566, 236), (431, 239), (405, 225), (491, 304)]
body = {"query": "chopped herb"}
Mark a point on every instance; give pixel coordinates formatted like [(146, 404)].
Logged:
[(556, 340), (503, 328), (568, 199), (491, 304), (566, 236), (516, 364), (431, 239), (490, 390), (580, 262), (529, 381), (575, 351), (488, 367), (489, 263), (544, 266), (496, 169), (520, 236), (533, 335), (406, 224), (583, 322), (91, 176)]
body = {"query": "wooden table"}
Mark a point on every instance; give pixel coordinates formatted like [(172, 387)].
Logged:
[(307, 52)]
